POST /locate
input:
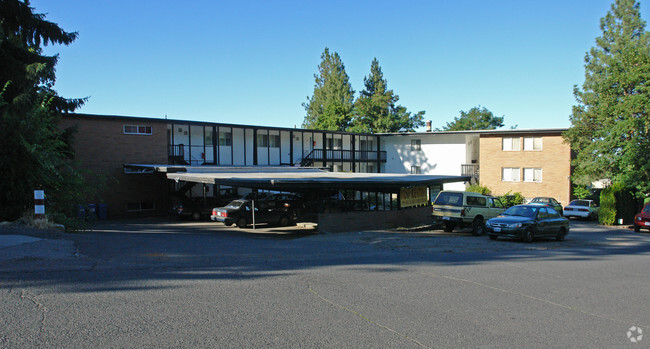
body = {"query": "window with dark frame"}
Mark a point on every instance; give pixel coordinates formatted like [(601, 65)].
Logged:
[(137, 130), (416, 144)]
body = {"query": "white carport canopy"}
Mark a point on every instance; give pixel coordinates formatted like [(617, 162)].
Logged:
[(295, 178)]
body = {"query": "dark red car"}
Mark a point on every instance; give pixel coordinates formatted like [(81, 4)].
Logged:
[(642, 220)]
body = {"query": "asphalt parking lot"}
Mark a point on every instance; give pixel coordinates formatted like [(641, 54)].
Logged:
[(168, 283)]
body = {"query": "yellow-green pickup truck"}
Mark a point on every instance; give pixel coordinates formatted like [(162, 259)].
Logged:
[(460, 209)]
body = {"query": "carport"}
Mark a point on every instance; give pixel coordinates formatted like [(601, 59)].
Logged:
[(395, 200)]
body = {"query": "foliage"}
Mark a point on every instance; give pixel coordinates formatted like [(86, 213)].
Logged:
[(510, 199), (475, 119), (610, 126), (581, 191), (376, 109), (607, 211), (477, 188), (330, 107), (34, 152)]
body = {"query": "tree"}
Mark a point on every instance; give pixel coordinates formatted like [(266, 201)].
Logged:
[(34, 152), (376, 109), (330, 107), (475, 119), (610, 125)]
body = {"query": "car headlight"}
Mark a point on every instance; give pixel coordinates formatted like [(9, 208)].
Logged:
[(516, 225)]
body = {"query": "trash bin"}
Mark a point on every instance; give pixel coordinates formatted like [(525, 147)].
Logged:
[(103, 211), (81, 212), (92, 212)]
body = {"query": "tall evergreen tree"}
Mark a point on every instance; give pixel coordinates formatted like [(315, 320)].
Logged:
[(475, 119), (610, 126), (34, 152), (330, 107), (376, 109)]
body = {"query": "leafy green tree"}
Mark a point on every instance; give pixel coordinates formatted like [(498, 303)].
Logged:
[(476, 118), (34, 152), (330, 107), (376, 109), (610, 126)]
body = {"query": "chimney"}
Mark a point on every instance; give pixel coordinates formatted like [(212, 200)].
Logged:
[(428, 125)]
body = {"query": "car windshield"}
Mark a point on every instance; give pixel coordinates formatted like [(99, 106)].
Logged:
[(235, 204), (579, 203), (646, 209), (523, 211), (541, 200)]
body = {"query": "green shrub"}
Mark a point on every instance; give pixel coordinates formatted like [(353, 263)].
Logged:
[(511, 199), (477, 188), (607, 212), (581, 192)]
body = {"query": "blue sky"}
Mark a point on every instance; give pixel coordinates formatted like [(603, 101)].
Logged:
[(252, 62)]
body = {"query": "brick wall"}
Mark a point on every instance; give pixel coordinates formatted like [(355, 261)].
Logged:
[(102, 147), (554, 159)]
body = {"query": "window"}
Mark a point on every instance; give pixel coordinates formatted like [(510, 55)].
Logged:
[(335, 143), (415, 169), (511, 144), (140, 206), (208, 137), (532, 175), (274, 141), (263, 140), (137, 130), (225, 138), (533, 143), (510, 174), (476, 201), (416, 144)]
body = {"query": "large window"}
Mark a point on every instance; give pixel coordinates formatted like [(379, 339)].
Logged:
[(532, 174), (415, 170), (265, 141), (137, 130), (416, 144), (510, 174), (274, 141), (511, 144), (225, 138), (533, 143)]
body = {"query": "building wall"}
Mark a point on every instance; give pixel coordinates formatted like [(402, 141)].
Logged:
[(554, 159), (102, 148), (440, 154)]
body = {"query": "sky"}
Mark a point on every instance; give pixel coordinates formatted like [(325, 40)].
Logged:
[(253, 62)]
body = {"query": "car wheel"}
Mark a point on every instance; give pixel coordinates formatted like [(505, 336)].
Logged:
[(284, 221), (478, 227), (527, 236), (196, 216), (637, 229), (449, 227), (241, 223), (227, 224), (493, 237), (561, 235)]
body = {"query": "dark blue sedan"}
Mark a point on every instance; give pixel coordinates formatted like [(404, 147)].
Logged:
[(528, 222)]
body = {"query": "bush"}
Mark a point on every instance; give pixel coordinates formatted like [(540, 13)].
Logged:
[(511, 199), (607, 212), (477, 188)]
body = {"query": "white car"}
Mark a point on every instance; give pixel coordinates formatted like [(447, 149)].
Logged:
[(582, 209)]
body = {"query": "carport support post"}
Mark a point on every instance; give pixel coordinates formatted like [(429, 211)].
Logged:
[(253, 211)]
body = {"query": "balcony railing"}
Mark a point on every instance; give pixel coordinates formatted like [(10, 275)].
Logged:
[(471, 170), (345, 155)]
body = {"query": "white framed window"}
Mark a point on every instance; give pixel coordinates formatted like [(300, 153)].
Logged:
[(274, 141), (532, 174), (263, 141), (511, 144), (416, 144), (415, 170), (510, 174), (137, 130), (533, 143), (225, 138)]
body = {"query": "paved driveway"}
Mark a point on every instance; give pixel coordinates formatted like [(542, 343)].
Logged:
[(158, 283)]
